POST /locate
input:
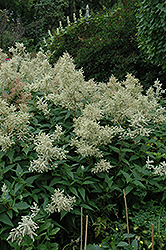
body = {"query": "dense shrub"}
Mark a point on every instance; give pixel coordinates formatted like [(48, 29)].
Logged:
[(105, 44), (68, 143), (151, 30)]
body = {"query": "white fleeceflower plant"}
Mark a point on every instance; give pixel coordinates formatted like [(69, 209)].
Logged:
[(108, 110), (27, 226), (60, 202)]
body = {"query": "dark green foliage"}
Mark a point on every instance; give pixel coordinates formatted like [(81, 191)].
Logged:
[(105, 44), (151, 29)]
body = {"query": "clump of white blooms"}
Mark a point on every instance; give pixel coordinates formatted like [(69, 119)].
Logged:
[(71, 91), (48, 151), (27, 226), (14, 123), (36, 73), (128, 112), (43, 106), (159, 170), (102, 166), (60, 202)]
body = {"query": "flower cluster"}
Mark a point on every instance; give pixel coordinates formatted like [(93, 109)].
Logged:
[(60, 202), (26, 227), (102, 166), (71, 91), (159, 170), (128, 112), (47, 150), (14, 123)]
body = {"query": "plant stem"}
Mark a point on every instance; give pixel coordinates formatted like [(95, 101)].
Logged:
[(81, 227), (152, 236), (127, 219), (86, 232)]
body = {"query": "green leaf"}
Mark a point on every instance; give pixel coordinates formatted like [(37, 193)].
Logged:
[(8, 168), (88, 182), (22, 205), (128, 189), (138, 183), (31, 179), (134, 244), (63, 213), (82, 192), (116, 150), (10, 154), (17, 187), (45, 226), (42, 247), (6, 220), (54, 231), (86, 206), (126, 236), (122, 244), (93, 247), (134, 157), (74, 191)]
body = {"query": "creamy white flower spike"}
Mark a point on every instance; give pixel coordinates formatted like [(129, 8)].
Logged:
[(159, 170), (60, 202), (102, 166), (48, 151), (27, 226)]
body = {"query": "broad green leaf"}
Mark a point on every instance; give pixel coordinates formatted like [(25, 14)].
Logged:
[(116, 150), (74, 191), (6, 220), (55, 231), (138, 183), (63, 213), (93, 247), (31, 179), (82, 192), (122, 244), (134, 244), (128, 235), (10, 154), (10, 213), (134, 157), (22, 205), (42, 247), (128, 189), (8, 168), (86, 206), (88, 182), (17, 187), (45, 226)]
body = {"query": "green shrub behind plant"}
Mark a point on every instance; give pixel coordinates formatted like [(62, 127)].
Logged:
[(105, 44)]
